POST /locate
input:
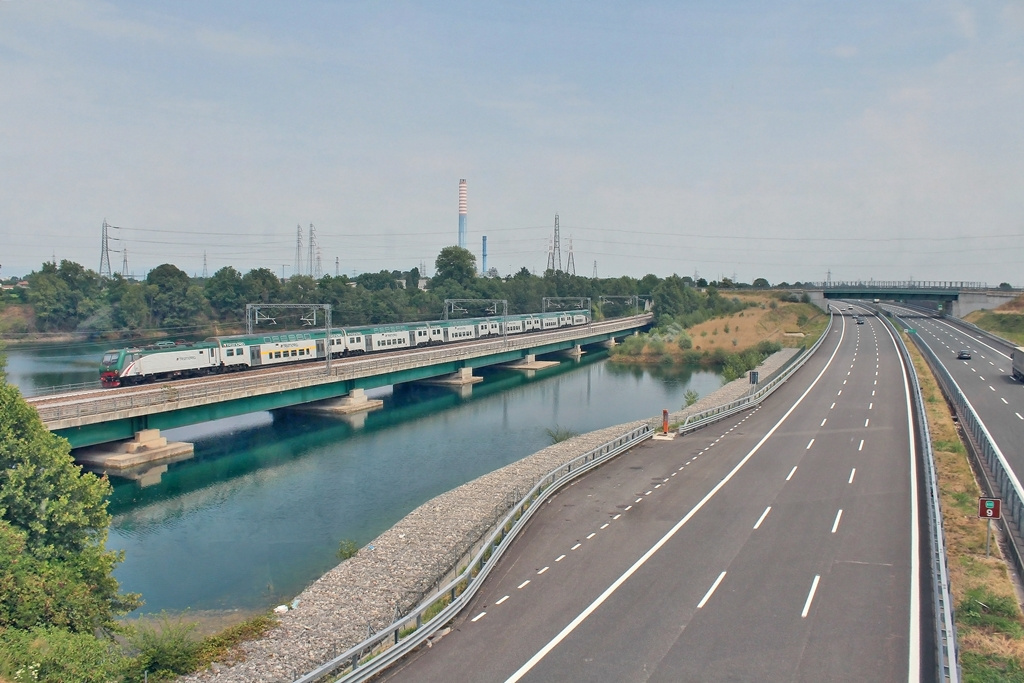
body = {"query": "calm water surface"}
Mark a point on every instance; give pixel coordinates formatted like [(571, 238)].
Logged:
[(259, 512)]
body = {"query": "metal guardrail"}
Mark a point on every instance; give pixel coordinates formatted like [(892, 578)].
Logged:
[(756, 395), (1005, 482), (62, 389), (379, 651), (393, 642), (991, 335), (947, 660), (174, 395)]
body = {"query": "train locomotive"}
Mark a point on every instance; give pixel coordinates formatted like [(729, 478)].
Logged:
[(215, 355)]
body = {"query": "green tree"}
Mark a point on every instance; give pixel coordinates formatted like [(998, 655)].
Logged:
[(376, 282), (412, 279), (226, 293), (132, 311), (170, 301), (455, 264), (761, 283), (261, 287), (57, 520)]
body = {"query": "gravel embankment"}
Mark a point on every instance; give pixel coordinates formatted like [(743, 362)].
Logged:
[(405, 564)]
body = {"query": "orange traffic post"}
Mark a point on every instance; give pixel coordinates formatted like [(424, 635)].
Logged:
[(664, 421)]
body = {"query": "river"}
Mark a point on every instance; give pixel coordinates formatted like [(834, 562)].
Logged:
[(260, 510)]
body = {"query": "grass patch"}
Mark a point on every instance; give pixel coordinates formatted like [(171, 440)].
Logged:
[(990, 628), (559, 434)]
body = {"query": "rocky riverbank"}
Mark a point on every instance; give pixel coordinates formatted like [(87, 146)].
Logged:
[(408, 562)]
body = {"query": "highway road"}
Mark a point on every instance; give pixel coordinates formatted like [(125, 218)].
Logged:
[(985, 379), (778, 545)]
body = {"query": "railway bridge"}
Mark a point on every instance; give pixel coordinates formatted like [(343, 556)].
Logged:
[(101, 416)]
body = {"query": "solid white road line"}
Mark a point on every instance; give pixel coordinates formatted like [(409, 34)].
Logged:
[(592, 607), (707, 596), (914, 613), (810, 596), (835, 524), (763, 515)]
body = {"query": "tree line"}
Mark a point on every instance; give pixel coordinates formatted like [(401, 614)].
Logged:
[(67, 297)]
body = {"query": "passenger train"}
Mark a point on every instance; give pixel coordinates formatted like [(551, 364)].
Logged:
[(167, 360)]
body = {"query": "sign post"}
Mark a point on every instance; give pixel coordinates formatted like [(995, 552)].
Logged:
[(989, 508)]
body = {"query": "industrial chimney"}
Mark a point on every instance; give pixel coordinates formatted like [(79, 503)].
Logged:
[(462, 213)]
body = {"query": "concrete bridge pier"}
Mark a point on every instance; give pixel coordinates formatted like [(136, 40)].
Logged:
[(575, 352), (530, 362), (456, 379), (610, 344), (134, 459), (355, 402)]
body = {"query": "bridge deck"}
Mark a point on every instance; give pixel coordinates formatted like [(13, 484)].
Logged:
[(87, 418)]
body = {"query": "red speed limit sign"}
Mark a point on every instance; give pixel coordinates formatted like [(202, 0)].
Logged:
[(988, 508)]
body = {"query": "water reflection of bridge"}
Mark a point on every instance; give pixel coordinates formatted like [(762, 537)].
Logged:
[(95, 417)]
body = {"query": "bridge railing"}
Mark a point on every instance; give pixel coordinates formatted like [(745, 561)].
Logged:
[(171, 395), (382, 649), (898, 284), (947, 661)]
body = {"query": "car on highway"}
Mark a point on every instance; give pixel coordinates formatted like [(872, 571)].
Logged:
[(860, 320), (964, 354)]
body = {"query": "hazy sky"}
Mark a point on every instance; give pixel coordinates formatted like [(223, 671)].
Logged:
[(757, 139)]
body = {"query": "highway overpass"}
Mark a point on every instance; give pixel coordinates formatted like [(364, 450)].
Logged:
[(955, 298)]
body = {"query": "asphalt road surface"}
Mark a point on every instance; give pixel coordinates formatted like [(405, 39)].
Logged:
[(986, 379), (777, 545)]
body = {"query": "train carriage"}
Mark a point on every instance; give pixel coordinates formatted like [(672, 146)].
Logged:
[(167, 360)]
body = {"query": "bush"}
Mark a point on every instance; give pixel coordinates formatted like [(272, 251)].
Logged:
[(690, 397), (346, 549), (52, 655), (559, 434), (684, 341), (165, 650)]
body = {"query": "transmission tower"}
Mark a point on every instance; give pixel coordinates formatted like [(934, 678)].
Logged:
[(555, 254), (570, 264), (124, 262), (595, 270), (318, 272), (104, 252), (337, 264), (205, 274), (298, 251), (312, 249)]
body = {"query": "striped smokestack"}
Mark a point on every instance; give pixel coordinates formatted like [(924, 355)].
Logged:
[(462, 213), (483, 270)]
